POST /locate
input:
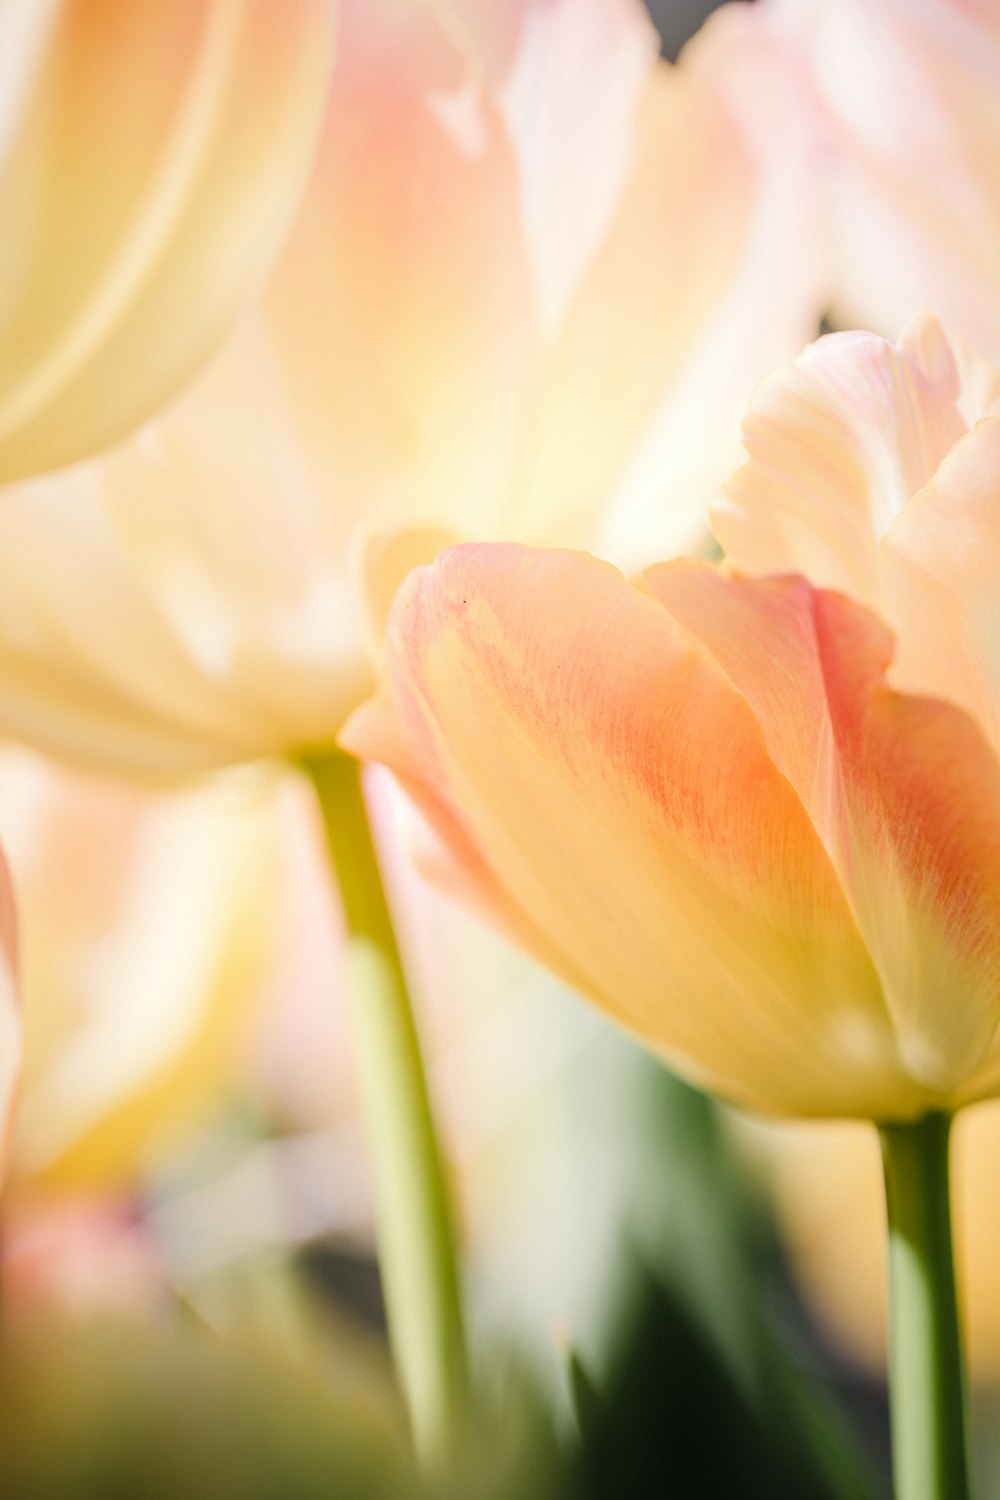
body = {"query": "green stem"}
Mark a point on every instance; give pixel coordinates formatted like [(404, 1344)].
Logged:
[(415, 1237), (927, 1380)]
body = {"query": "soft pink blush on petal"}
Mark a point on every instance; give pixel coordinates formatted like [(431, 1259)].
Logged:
[(904, 792), (554, 722)]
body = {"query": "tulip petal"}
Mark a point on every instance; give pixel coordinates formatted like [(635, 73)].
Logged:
[(904, 791), (233, 651), (11, 1043), (554, 723), (147, 182), (769, 308), (838, 444), (400, 313), (140, 967), (914, 123), (568, 74), (630, 331), (940, 565)]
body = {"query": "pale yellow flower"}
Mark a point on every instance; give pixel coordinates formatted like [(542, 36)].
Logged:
[(150, 158), (439, 350), (146, 927)]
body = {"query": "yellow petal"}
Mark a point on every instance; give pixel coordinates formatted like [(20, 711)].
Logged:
[(609, 796), (139, 966), (11, 1038), (138, 637), (145, 181)]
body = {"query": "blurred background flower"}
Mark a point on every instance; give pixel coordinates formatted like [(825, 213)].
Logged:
[(150, 158), (429, 349)]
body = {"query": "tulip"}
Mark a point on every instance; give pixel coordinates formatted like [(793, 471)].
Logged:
[(906, 114), (842, 842), (428, 351), (730, 810), (151, 157)]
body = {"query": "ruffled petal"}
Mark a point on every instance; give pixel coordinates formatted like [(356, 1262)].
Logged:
[(837, 445), (940, 566)]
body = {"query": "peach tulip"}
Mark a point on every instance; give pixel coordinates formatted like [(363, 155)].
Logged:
[(439, 351), (731, 809), (150, 159), (907, 105)]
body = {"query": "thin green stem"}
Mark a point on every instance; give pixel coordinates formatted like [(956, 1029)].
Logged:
[(927, 1379), (415, 1236)]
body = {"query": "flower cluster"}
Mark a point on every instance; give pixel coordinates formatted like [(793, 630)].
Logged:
[(438, 384)]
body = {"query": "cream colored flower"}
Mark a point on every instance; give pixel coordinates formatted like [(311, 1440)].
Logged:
[(146, 927), (150, 159), (437, 352)]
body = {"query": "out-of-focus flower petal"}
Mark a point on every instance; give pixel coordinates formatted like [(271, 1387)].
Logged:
[(145, 934), (149, 165), (837, 445), (11, 1041), (911, 89), (904, 791), (631, 328), (555, 724), (233, 651), (395, 378), (569, 75), (400, 313), (771, 303)]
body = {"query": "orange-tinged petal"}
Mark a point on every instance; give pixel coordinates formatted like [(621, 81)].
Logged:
[(837, 445), (155, 159), (904, 791), (557, 726)]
